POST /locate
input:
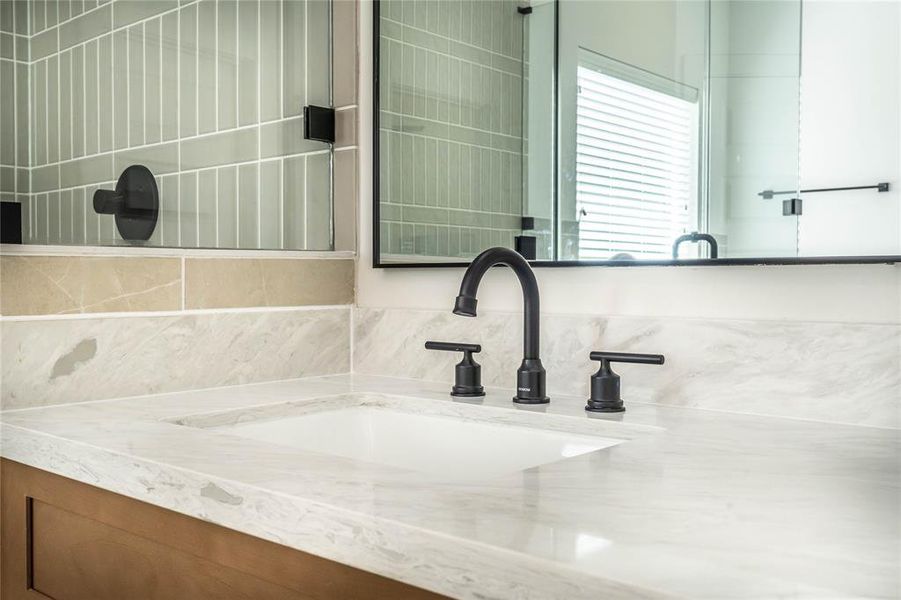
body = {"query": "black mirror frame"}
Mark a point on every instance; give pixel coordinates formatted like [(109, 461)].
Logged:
[(376, 242)]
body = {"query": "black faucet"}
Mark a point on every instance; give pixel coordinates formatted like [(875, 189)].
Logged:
[(530, 378), (695, 236), (467, 373), (605, 384)]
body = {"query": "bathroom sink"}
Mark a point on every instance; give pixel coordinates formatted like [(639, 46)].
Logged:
[(445, 447)]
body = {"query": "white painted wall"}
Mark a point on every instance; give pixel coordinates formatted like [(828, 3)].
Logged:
[(851, 126), (853, 293)]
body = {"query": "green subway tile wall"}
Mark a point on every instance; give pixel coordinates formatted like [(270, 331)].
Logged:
[(15, 180), (208, 94), (451, 140)]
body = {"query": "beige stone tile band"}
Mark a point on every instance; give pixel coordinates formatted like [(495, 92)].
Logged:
[(57, 285), (52, 285)]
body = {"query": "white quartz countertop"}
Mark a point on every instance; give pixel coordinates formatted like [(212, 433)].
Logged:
[(695, 503)]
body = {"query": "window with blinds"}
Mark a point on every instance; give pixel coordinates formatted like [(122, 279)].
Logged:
[(636, 160)]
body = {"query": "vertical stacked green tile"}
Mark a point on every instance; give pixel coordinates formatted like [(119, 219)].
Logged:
[(14, 64), (208, 94), (451, 144)]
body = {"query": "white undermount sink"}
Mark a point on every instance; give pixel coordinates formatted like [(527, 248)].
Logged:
[(446, 447)]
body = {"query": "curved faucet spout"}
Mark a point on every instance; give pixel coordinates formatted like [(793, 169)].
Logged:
[(531, 375), (695, 236), (465, 304)]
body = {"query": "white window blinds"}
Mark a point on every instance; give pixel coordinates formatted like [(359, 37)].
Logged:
[(636, 165)]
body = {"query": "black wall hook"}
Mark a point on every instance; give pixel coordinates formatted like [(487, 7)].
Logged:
[(135, 203), (319, 124)]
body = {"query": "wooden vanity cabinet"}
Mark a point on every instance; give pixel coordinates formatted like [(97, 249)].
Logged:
[(65, 540)]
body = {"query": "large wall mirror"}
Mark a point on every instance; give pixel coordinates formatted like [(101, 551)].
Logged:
[(627, 132), (207, 96)]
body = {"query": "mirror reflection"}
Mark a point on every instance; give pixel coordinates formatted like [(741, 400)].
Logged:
[(450, 127), (614, 130)]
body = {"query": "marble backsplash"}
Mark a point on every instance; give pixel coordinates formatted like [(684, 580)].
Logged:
[(839, 372), (61, 360)]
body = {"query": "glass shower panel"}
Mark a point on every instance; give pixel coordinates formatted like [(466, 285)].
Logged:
[(539, 144), (450, 128), (754, 126), (207, 94)]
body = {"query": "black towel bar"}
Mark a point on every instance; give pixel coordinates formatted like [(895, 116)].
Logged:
[(880, 187)]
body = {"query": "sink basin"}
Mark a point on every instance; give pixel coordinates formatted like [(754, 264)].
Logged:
[(445, 447)]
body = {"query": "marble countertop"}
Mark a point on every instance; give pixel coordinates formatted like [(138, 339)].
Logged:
[(695, 503)]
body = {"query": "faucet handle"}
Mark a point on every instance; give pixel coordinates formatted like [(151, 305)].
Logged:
[(467, 373), (453, 346), (605, 384), (627, 357)]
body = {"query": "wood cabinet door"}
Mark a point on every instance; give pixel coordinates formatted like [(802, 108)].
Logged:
[(65, 540)]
